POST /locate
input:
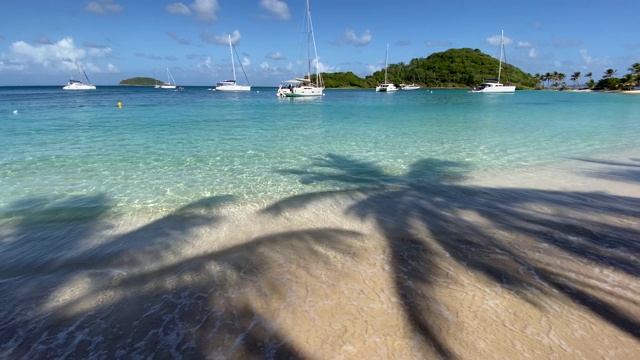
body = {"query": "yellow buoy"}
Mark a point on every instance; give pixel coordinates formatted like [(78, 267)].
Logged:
[(119, 104)]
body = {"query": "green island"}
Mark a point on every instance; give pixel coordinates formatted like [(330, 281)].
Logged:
[(459, 68), (140, 81)]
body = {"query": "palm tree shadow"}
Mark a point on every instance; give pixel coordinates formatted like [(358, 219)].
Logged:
[(428, 197), (193, 306)]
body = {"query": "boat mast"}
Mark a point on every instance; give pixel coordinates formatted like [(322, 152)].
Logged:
[(308, 41), (233, 66), (386, 64), (501, 50)]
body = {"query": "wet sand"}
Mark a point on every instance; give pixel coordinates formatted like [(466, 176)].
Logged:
[(536, 264)]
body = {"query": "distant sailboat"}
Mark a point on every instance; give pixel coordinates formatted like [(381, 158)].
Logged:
[(494, 86), (78, 84), (386, 86), (171, 83), (231, 85)]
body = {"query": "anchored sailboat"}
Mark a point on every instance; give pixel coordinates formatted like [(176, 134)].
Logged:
[(78, 84), (386, 86), (305, 87), (494, 86), (170, 84), (231, 85)]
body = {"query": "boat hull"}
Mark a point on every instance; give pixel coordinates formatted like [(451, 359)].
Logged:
[(304, 92), (79, 87), (233, 88), (496, 90), (386, 89)]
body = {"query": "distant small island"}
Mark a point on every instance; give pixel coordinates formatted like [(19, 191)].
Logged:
[(140, 81)]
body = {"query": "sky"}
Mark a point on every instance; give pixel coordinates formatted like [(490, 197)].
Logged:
[(40, 40)]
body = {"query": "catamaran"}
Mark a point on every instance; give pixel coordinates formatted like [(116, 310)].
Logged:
[(305, 87), (494, 86), (231, 85), (78, 84), (386, 86)]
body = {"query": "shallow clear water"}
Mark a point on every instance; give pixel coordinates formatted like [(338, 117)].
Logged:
[(164, 149)]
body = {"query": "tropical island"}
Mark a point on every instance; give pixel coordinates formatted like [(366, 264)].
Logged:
[(140, 81), (461, 68)]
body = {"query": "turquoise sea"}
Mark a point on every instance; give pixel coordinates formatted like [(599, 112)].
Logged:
[(164, 149), (413, 225)]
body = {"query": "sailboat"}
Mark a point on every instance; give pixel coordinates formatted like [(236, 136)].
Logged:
[(78, 84), (231, 85), (386, 86), (305, 87), (170, 84), (494, 86)]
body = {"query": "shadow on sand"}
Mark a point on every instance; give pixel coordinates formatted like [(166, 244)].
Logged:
[(165, 301)]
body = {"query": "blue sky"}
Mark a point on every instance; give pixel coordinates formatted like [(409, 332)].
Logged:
[(119, 39)]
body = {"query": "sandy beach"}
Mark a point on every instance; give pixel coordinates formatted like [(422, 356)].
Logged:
[(536, 264)]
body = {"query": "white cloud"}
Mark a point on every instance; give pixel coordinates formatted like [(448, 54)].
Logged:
[(557, 64), (246, 61), (178, 9), (585, 56), (350, 38), (524, 44), (276, 7), (56, 57), (112, 69), (533, 53), (223, 39), (495, 40), (323, 67), (103, 7), (275, 56), (205, 9), (11, 67), (373, 68), (99, 52), (205, 66)]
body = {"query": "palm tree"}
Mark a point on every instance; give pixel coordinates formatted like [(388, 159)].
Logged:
[(635, 71), (561, 78), (537, 77), (575, 77), (548, 77), (609, 73), (628, 81)]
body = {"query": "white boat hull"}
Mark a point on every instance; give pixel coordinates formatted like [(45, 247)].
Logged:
[(409, 87), (233, 88), (496, 89), (386, 88), (79, 87), (304, 91)]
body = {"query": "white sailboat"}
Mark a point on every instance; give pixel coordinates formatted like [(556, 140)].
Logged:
[(78, 84), (231, 85), (170, 84), (386, 86), (305, 87), (494, 86)]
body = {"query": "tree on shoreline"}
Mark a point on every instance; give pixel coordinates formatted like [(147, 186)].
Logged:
[(575, 77)]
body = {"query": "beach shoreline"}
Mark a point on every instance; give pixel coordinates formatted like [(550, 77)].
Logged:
[(540, 263)]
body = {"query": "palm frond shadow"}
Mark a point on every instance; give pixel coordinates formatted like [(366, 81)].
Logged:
[(583, 225), (192, 307)]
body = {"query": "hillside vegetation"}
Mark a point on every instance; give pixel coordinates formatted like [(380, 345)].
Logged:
[(454, 68), (140, 81)]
